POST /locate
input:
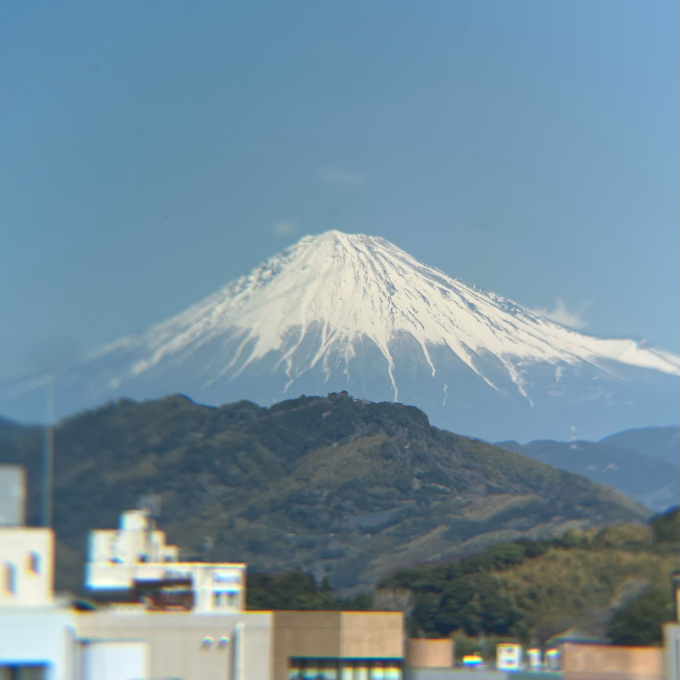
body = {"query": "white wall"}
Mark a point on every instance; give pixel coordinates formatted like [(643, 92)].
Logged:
[(188, 645), (217, 587), (671, 643), (26, 566), (226, 581), (114, 660), (38, 636)]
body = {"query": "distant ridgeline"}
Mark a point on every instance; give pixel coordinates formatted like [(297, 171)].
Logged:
[(641, 463), (344, 489)]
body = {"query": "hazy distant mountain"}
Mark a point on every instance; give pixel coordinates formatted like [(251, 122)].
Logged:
[(658, 442), (345, 488), (648, 480), (10, 429), (353, 312)]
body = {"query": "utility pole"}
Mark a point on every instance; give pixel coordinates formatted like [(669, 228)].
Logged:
[(48, 457)]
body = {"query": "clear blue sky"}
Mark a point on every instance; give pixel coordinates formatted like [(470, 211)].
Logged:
[(150, 152)]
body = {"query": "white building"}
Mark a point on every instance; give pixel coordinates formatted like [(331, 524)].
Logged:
[(36, 635), (12, 495), (136, 559), (26, 567), (26, 553)]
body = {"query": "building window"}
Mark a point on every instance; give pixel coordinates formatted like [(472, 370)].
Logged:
[(10, 578), (34, 562), (28, 671), (336, 669)]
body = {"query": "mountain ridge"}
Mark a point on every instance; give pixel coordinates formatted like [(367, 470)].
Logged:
[(373, 256), (345, 488), (662, 442)]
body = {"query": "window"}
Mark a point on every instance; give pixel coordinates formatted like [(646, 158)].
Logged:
[(34, 562), (369, 669), (10, 578), (23, 671)]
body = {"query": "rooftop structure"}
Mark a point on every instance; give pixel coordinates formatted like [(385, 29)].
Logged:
[(134, 563)]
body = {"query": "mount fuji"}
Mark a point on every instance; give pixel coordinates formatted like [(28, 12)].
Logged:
[(352, 312)]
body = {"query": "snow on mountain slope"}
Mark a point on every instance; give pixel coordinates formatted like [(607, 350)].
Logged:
[(356, 286), (354, 312)]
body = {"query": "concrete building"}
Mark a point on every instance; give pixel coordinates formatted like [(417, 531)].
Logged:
[(12, 495), (429, 653), (337, 645), (36, 635), (165, 644), (671, 643), (26, 567), (135, 562), (26, 553), (613, 662)]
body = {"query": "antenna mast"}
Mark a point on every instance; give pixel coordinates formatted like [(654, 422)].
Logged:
[(48, 457), (573, 437)]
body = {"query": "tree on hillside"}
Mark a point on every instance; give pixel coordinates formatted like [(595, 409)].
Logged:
[(639, 622), (297, 590), (666, 526)]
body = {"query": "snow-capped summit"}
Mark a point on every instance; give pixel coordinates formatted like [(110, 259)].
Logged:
[(340, 311)]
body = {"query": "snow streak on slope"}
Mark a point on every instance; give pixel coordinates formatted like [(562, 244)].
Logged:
[(339, 290)]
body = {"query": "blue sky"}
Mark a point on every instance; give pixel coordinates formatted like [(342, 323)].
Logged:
[(151, 152)]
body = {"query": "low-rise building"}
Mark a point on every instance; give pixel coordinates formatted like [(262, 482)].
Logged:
[(430, 653), (134, 562), (337, 645), (611, 662)]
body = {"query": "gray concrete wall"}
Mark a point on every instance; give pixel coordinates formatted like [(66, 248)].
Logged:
[(187, 645), (671, 642), (452, 674)]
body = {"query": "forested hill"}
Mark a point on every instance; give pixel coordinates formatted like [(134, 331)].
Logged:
[(342, 488), (614, 583)]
